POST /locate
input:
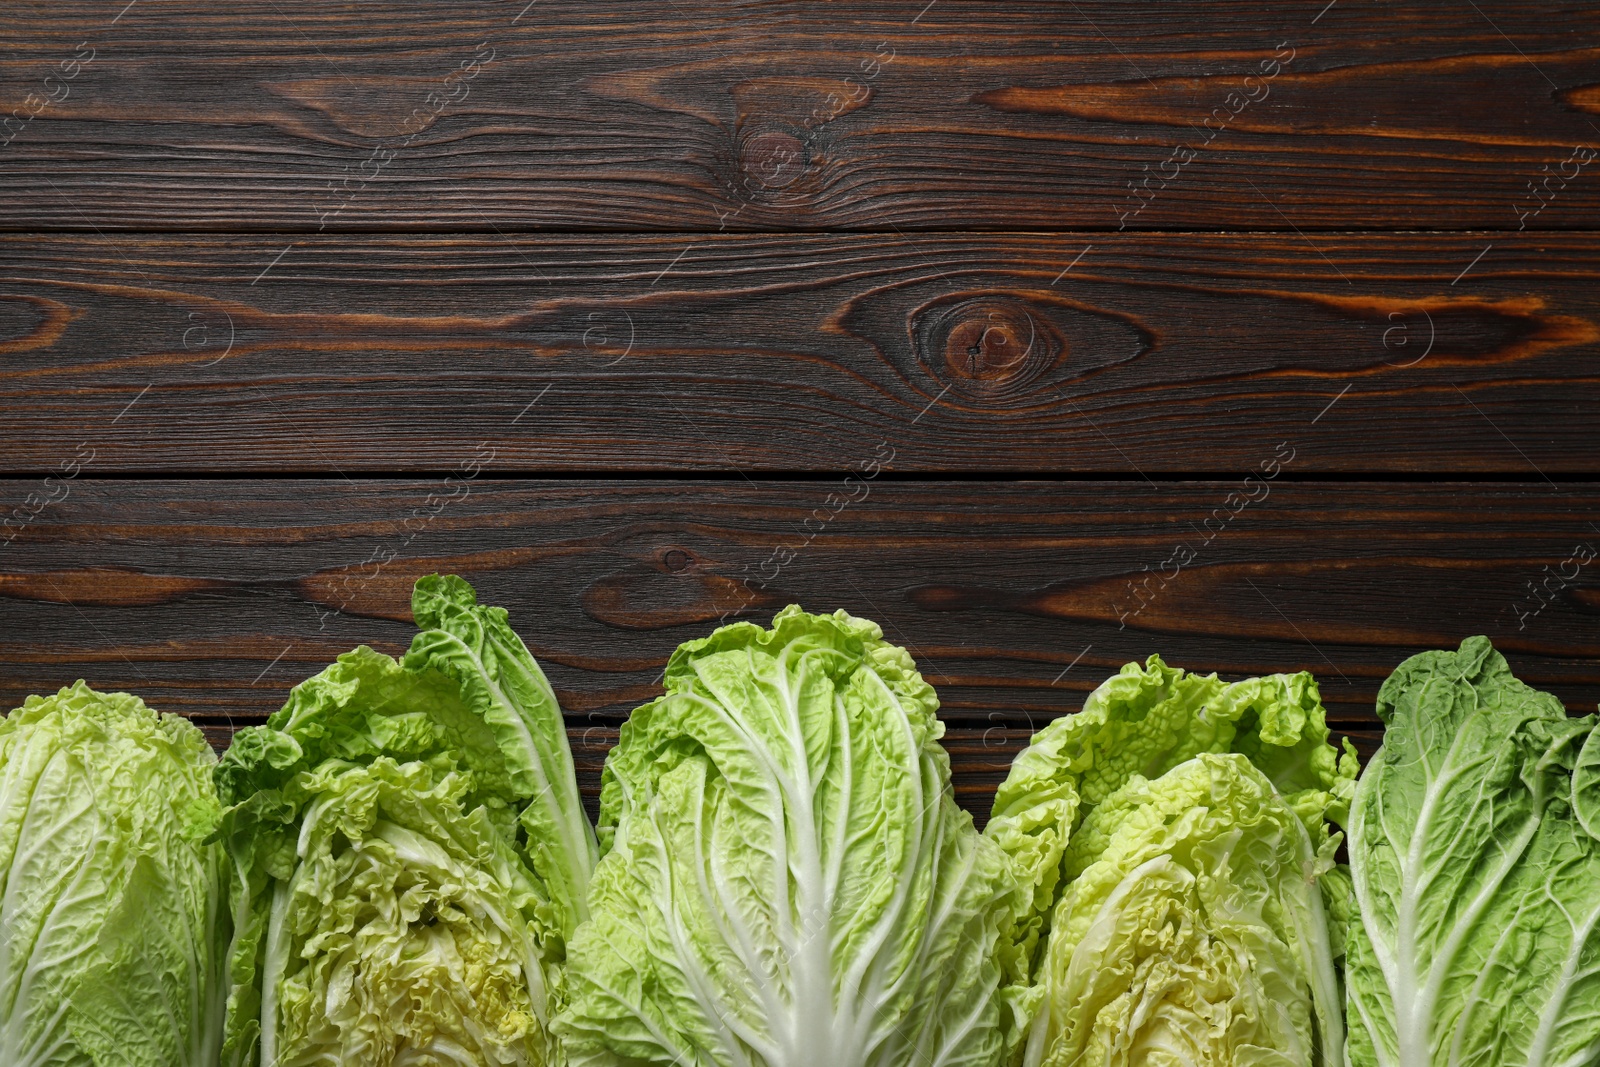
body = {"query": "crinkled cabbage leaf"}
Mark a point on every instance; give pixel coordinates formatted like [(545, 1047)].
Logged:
[(1192, 933), (786, 879), (112, 923), (1479, 886), (1166, 916), (410, 855)]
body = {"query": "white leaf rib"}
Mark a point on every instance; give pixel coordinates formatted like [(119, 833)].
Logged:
[(1412, 995), (728, 919), (1588, 1056), (700, 985), (66, 892), (1465, 826), (630, 1007), (954, 1036), (1551, 1017), (34, 755), (1315, 944), (873, 956), (1382, 1051), (1359, 856), (954, 889), (579, 837), (1475, 997), (844, 752), (812, 975), (1445, 954), (276, 940), (776, 788), (54, 1032), (574, 838)]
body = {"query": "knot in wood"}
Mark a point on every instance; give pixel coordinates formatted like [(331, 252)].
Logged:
[(772, 159), (990, 349)]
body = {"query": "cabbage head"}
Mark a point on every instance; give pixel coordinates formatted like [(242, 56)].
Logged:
[(112, 926), (786, 879), (410, 855), (1477, 866), (1182, 908)]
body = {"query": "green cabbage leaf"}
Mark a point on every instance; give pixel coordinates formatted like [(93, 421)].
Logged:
[(410, 855), (1181, 903), (1477, 874), (112, 924), (1194, 933), (786, 879)]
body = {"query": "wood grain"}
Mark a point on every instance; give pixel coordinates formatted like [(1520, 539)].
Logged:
[(1016, 597), (605, 115), (949, 353)]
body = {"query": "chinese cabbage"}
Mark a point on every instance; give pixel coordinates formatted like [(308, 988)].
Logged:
[(410, 855), (1121, 820), (787, 881), (1478, 941), (112, 926)]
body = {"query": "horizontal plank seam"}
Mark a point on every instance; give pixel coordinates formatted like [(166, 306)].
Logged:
[(512, 229), (1467, 478)]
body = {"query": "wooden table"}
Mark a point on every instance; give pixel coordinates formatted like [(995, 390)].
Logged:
[(1049, 333)]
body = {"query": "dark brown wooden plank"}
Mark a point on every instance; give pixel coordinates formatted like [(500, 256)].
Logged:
[(600, 114), (973, 352), (1017, 598)]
